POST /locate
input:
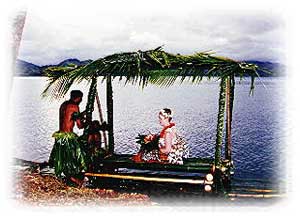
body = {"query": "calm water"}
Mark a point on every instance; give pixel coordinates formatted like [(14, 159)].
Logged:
[(258, 120)]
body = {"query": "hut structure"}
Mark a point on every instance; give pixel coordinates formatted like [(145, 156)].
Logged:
[(160, 68)]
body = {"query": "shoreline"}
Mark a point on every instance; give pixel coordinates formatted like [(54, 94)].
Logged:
[(31, 187)]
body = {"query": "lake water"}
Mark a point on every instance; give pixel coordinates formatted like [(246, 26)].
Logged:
[(258, 133)]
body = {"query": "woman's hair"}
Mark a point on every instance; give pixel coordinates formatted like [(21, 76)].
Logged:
[(166, 113)]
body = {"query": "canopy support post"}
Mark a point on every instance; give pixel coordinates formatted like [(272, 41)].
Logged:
[(109, 100), (101, 120), (90, 105), (229, 105), (220, 125)]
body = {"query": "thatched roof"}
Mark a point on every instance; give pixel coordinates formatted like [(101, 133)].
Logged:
[(152, 66)]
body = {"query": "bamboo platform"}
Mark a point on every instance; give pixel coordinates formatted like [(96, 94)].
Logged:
[(190, 165), (122, 167)]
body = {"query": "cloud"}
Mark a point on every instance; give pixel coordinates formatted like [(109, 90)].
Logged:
[(49, 38)]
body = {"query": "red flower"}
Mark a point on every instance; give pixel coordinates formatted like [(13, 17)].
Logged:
[(149, 138)]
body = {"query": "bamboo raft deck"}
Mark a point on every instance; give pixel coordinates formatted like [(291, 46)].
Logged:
[(196, 165), (122, 167)]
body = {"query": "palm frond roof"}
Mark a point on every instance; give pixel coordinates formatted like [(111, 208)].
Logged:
[(152, 66)]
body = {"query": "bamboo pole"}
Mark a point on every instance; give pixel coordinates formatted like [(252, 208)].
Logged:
[(110, 118), (228, 142), (261, 190), (153, 179), (220, 124), (101, 118), (256, 196), (232, 88), (90, 104)]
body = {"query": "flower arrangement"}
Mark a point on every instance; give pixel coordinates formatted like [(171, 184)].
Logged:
[(148, 142)]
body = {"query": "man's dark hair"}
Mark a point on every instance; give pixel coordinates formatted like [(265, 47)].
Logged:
[(76, 94)]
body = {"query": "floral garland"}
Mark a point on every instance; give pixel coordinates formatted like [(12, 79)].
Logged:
[(163, 131)]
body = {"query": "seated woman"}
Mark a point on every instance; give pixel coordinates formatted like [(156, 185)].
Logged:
[(171, 147)]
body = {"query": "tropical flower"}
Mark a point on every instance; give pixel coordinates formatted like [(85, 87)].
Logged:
[(148, 142)]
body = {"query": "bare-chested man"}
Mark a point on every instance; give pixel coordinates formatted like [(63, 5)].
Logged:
[(67, 156), (67, 112)]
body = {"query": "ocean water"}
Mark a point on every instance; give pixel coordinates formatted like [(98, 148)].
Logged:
[(258, 133)]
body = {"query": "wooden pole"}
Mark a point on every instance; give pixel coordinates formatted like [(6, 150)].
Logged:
[(220, 127), (101, 119), (220, 124), (152, 179), (90, 104), (239, 195), (232, 87), (91, 100), (110, 118), (228, 143)]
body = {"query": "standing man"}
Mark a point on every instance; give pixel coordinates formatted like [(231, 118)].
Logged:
[(69, 112), (67, 156)]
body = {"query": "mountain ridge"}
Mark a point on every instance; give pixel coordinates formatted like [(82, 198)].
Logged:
[(24, 68)]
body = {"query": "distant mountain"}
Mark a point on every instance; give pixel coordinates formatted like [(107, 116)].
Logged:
[(24, 68), (85, 62), (70, 62), (276, 69)]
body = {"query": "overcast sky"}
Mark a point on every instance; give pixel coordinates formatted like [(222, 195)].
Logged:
[(90, 33)]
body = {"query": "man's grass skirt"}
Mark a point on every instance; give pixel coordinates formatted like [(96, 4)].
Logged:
[(67, 157)]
